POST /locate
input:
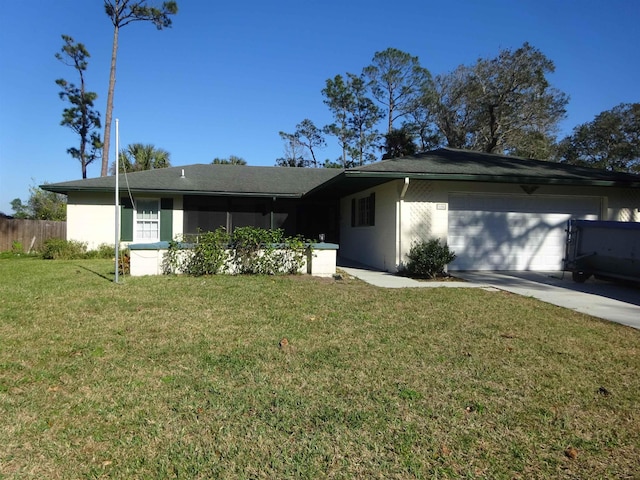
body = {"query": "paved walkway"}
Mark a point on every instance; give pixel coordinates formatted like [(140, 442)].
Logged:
[(606, 300), (389, 280)]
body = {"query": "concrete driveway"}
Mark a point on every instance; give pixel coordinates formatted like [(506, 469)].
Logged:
[(607, 300)]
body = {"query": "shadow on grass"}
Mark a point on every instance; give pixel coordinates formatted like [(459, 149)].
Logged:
[(101, 275)]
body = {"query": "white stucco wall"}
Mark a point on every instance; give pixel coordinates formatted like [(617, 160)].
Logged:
[(319, 262), (91, 217), (372, 245), (423, 214), (624, 205)]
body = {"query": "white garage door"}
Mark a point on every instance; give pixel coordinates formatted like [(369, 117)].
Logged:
[(513, 232)]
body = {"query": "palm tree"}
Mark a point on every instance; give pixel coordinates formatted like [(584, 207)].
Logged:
[(137, 157), (232, 160)]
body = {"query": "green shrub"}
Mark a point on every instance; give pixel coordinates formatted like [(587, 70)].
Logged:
[(59, 249), (291, 255), (265, 252), (209, 254), (203, 254), (427, 259), (248, 250), (252, 250), (104, 250), (172, 261), (17, 248)]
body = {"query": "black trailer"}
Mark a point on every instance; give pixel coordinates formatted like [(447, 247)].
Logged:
[(604, 249)]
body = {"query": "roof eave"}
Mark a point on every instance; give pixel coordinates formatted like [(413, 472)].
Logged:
[(66, 190), (494, 179)]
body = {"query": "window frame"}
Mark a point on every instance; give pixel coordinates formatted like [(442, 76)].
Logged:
[(363, 211), (136, 220)]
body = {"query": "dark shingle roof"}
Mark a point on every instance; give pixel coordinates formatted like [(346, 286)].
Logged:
[(449, 163), (441, 164), (209, 180)]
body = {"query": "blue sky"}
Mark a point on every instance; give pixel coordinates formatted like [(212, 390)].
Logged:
[(228, 76)]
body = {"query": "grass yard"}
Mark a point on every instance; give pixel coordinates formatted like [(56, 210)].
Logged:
[(176, 377)]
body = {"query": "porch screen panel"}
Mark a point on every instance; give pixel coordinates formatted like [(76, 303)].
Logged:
[(281, 220), (250, 212), (284, 216), (208, 214), (204, 214)]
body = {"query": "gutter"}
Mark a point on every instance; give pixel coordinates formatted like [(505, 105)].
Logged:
[(495, 178), (66, 190)]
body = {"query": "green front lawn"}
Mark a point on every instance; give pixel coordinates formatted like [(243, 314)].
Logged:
[(178, 377)]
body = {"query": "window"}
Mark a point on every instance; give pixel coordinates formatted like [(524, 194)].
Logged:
[(363, 211), (147, 226), (145, 222)]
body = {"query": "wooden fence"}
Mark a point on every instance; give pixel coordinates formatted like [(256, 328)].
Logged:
[(30, 233)]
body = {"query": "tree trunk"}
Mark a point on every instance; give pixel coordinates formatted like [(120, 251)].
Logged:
[(493, 131), (343, 141), (108, 113), (83, 155), (84, 131), (392, 108)]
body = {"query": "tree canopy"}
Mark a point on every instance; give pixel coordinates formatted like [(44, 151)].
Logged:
[(41, 205), (232, 160), (397, 80), (339, 99), (399, 143), (137, 157), (81, 117), (504, 104), (610, 141), (356, 116), (501, 105), (301, 145)]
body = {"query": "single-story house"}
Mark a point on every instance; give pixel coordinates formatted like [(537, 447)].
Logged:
[(495, 212)]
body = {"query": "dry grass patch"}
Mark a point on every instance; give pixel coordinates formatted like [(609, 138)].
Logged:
[(176, 377)]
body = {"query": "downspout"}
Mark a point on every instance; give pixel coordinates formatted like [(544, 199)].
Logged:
[(273, 201), (403, 192)]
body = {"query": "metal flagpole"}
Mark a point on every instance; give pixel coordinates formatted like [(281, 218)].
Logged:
[(117, 202)]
